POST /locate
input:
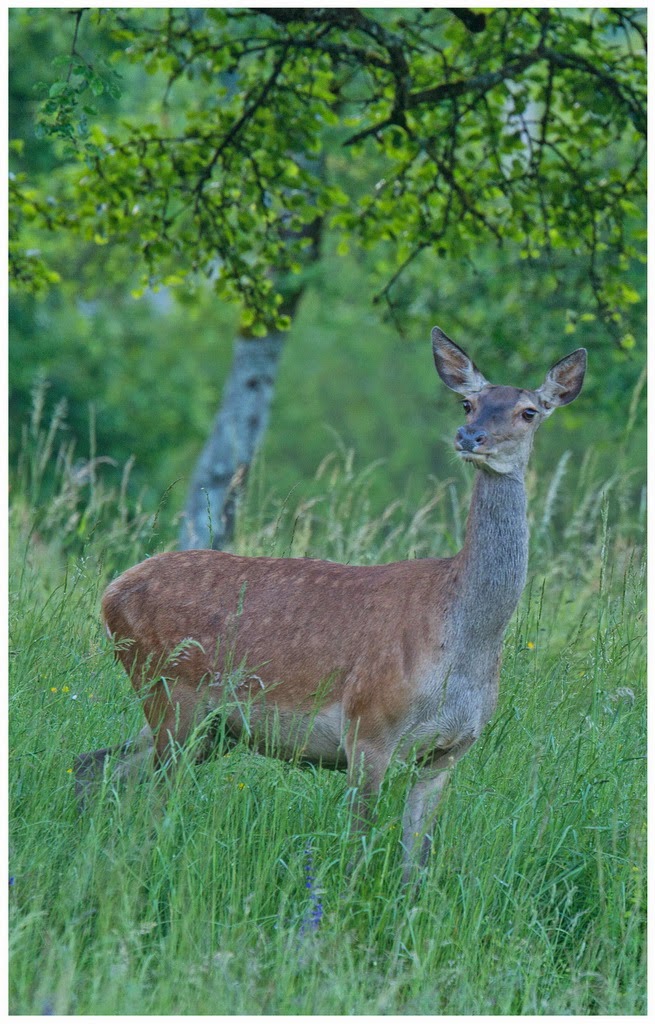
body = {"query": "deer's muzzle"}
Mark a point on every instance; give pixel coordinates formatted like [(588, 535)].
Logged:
[(469, 439)]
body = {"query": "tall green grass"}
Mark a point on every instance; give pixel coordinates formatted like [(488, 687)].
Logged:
[(238, 899)]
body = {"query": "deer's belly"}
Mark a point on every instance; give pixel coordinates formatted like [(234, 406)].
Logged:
[(315, 736)]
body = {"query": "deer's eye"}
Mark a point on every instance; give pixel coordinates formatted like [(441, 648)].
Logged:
[(466, 405), (529, 414)]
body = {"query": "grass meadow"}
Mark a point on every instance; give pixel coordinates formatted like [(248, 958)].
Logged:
[(237, 900)]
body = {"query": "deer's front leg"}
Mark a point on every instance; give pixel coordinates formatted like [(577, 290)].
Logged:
[(367, 765), (423, 801), (419, 817)]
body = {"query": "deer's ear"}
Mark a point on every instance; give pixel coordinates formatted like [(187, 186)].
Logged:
[(457, 371), (563, 380)]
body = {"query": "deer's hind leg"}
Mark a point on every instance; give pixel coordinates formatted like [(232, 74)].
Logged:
[(89, 768), (174, 711)]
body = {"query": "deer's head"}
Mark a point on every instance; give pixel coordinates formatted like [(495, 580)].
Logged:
[(501, 421)]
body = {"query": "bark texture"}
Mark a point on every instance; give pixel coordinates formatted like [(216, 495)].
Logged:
[(223, 466)]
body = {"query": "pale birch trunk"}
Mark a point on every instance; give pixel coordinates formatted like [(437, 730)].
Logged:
[(222, 470), (223, 466)]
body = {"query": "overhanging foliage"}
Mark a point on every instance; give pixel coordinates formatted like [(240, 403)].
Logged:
[(521, 125)]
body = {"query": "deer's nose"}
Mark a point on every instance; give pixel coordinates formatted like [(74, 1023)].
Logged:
[(469, 438)]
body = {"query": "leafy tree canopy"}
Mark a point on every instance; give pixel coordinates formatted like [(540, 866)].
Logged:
[(519, 125)]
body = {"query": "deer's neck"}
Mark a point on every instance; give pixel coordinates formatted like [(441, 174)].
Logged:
[(494, 558)]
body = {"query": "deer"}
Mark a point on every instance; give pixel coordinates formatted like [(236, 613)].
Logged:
[(348, 666)]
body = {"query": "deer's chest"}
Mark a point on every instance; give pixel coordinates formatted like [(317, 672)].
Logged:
[(455, 702)]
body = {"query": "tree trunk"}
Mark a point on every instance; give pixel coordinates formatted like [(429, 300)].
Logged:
[(222, 470), (240, 423)]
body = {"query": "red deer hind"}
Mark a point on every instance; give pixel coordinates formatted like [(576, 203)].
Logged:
[(346, 665)]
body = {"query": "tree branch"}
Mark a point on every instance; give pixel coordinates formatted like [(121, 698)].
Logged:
[(627, 99), (241, 122), (450, 90), (472, 21)]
